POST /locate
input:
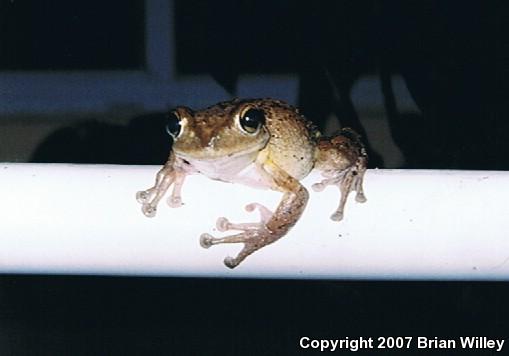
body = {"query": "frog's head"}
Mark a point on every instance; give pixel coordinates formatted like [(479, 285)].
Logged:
[(227, 129)]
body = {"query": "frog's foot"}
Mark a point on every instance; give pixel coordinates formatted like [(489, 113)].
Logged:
[(346, 180), (223, 224), (150, 198), (145, 198), (175, 199), (254, 235)]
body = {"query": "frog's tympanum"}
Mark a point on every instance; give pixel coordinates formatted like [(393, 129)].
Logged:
[(261, 143)]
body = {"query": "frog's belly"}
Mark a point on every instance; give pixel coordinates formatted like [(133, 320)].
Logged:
[(240, 169)]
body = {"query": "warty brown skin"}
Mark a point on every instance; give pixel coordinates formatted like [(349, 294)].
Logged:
[(282, 150)]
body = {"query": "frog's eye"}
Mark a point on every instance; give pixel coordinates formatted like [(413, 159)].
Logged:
[(173, 126), (252, 120)]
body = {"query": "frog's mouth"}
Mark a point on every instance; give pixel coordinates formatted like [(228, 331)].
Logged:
[(222, 168), (212, 153)]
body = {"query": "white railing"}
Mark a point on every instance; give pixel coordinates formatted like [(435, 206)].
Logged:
[(84, 219)]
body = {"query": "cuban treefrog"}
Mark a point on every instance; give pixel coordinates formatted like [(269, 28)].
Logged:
[(261, 143)]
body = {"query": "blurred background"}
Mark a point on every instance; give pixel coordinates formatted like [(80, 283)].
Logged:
[(423, 82), (88, 81)]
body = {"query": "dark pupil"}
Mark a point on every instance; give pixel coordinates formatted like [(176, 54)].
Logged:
[(173, 125), (252, 120)]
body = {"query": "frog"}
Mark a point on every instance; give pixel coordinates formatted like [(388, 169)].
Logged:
[(261, 143)]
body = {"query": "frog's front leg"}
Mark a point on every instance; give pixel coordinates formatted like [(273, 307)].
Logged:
[(342, 160), (272, 225), (171, 173)]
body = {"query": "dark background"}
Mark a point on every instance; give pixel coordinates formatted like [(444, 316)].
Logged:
[(63, 315), (452, 56)]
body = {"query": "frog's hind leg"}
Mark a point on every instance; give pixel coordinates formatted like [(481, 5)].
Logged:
[(272, 225), (248, 236), (223, 224), (342, 160)]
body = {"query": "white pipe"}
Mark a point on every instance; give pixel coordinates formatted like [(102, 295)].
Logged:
[(415, 225)]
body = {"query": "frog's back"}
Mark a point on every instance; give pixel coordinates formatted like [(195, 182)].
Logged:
[(293, 138)]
